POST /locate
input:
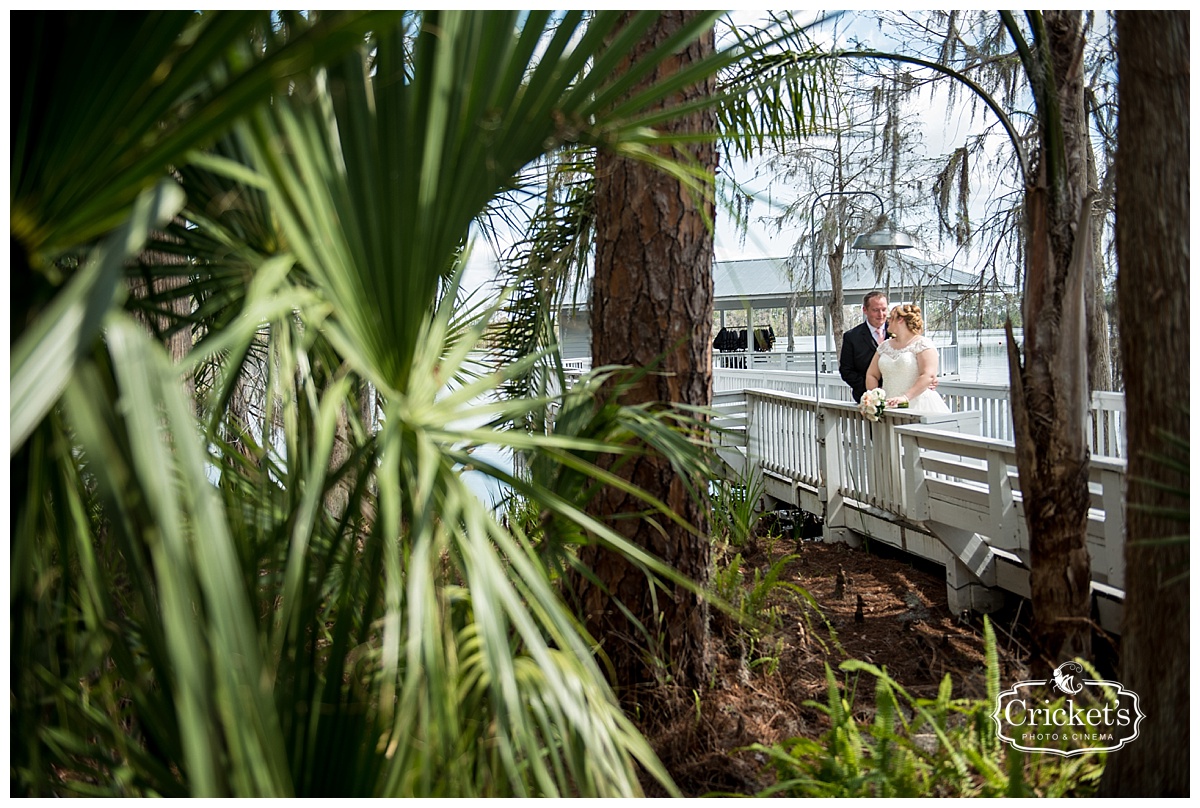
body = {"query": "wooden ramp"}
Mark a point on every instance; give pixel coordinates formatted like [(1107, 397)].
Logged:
[(928, 485)]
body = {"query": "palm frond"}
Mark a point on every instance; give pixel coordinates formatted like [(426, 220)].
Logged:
[(305, 599)]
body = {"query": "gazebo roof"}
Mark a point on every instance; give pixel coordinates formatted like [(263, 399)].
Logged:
[(776, 283)]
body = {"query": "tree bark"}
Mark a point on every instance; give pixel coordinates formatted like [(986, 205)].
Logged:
[(1153, 216), (152, 288), (834, 241), (1100, 376), (1049, 388), (837, 298), (651, 304)]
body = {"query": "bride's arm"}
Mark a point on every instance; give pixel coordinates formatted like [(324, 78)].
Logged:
[(927, 367), (873, 374)]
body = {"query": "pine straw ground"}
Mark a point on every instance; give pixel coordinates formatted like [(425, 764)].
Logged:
[(758, 690)]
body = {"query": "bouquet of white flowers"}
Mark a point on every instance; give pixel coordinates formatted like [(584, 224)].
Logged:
[(872, 403)]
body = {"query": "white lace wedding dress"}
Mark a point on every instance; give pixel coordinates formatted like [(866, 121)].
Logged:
[(898, 367)]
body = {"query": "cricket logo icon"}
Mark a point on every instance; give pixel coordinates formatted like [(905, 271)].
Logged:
[(1068, 714), (1065, 678)]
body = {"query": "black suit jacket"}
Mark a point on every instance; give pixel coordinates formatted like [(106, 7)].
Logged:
[(858, 348)]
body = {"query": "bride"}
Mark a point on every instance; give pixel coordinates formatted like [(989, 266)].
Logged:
[(907, 362)]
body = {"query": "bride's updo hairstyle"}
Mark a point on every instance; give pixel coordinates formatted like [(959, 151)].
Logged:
[(911, 314)]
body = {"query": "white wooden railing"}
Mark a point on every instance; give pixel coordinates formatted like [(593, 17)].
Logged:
[(966, 489), (830, 449), (802, 361), (798, 361), (1106, 412), (1105, 430), (970, 481)]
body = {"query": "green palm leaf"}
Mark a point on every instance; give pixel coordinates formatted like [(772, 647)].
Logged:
[(44, 356), (88, 128)]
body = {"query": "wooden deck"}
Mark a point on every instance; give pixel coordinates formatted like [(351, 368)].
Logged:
[(944, 487)]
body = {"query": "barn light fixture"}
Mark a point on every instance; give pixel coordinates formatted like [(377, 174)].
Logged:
[(883, 240)]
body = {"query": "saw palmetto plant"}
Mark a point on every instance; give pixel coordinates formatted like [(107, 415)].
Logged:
[(251, 565)]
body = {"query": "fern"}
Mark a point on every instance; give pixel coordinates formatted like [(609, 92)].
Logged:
[(735, 507), (888, 758)]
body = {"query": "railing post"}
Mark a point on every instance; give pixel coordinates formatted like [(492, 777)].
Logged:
[(753, 439), (1001, 507), (949, 358), (830, 474), (891, 492), (1112, 484), (916, 503)]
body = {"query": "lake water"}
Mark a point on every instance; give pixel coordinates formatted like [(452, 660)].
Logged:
[(982, 355)]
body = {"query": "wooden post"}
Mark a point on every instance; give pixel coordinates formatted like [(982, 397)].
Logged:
[(1112, 482), (832, 473), (1001, 507), (916, 503), (749, 337)]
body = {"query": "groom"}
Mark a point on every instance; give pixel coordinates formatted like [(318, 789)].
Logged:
[(860, 342)]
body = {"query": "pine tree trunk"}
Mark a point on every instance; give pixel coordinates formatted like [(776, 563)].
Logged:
[(1153, 217), (652, 300)]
